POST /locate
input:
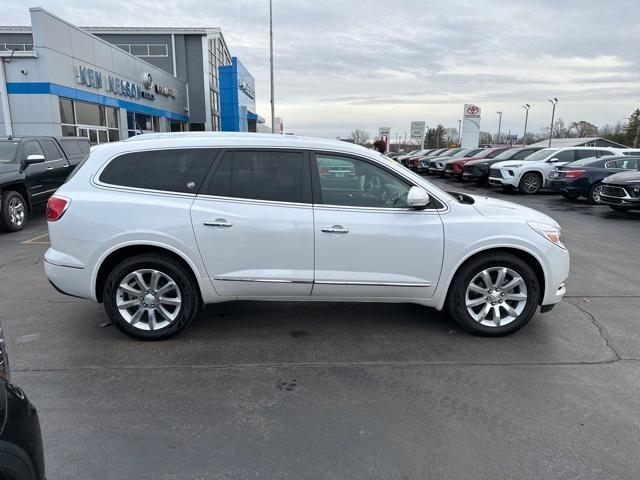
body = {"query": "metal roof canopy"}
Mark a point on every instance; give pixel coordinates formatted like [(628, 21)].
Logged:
[(578, 142)]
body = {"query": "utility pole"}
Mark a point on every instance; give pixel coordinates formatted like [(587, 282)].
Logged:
[(526, 106), (499, 124), (459, 133), (273, 115), (554, 102)]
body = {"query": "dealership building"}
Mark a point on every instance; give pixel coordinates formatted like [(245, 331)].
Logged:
[(111, 83)]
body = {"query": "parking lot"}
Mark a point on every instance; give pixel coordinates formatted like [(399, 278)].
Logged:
[(335, 390)]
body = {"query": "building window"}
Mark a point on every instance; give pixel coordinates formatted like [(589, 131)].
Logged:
[(138, 123), (96, 122), (144, 49), (19, 47)]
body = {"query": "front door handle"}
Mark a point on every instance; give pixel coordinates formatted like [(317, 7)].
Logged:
[(335, 229), (218, 222)]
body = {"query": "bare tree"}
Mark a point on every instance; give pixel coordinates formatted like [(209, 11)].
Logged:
[(452, 135), (559, 129), (359, 136), (484, 138), (583, 129)]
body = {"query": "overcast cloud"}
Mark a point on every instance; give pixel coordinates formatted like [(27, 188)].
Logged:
[(342, 65)]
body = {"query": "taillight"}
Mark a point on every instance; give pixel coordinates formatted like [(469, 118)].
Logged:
[(573, 173), (56, 206)]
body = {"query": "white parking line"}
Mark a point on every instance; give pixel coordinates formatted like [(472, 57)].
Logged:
[(35, 240)]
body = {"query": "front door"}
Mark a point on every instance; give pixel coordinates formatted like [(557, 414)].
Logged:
[(253, 222), (36, 175), (368, 243)]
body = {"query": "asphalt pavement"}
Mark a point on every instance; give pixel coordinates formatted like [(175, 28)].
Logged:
[(339, 390)]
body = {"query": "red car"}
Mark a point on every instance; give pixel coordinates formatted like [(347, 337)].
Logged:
[(455, 166)]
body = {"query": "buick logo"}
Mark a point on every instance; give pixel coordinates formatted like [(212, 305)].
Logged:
[(147, 80), (472, 110)]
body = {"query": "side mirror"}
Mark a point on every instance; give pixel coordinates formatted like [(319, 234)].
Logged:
[(31, 159), (553, 160), (417, 198)]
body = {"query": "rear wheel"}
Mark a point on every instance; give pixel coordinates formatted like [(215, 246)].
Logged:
[(13, 214), (494, 295), (595, 193), (151, 297), (530, 183)]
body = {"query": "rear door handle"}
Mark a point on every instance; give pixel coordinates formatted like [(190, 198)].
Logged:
[(218, 222), (335, 229)]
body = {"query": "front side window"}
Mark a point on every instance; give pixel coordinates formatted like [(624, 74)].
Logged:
[(260, 175), (176, 170), (51, 150), (565, 156), (32, 148), (8, 151), (355, 183)]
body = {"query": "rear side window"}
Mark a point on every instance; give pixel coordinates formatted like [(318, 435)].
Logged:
[(260, 175), (175, 170)]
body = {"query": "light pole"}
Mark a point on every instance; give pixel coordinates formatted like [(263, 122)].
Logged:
[(554, 102), (499, 124), (459, 133), (526, 106), (273, 115)]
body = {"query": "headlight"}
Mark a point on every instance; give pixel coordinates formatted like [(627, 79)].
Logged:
[(4, 359), (550, 232)]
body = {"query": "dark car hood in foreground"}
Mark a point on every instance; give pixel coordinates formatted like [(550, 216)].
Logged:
[(624, 178)]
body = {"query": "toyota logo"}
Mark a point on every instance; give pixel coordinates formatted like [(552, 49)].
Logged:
[(472, 110)]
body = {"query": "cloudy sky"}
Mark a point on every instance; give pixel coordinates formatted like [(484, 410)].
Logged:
[(342, 65)]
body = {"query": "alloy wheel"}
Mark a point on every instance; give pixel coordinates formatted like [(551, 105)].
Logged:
[(148, 299), (531, 183), (596, 194), (16, 211), (496, 296)]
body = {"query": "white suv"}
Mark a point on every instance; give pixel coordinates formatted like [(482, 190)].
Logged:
[(156, 227), (530, 174)]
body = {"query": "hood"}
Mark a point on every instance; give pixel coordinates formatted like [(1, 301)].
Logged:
[(506, 163), (9, 168), (495, 209), (623, 178)]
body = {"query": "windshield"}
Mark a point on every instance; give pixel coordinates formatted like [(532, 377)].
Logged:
[(587, 161), (452, 152), (8, 151), (540, 154), (473, 152)]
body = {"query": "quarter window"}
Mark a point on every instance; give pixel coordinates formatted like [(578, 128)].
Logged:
[(259, 175), (356, 183), (166, 170)]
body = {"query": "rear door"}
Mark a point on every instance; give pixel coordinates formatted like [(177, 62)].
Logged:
[(253, 221)]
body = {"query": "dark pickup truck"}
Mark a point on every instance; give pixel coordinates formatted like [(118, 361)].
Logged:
[(31, 169)]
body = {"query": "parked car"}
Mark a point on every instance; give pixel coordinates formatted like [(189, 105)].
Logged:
[(21, 454), (399, 158), (531, 176), (478, 169), (584, 177), (255, 217), (436, 163), (460, 159), (31, 169), (621, 191), (421, 153), (421, 164)]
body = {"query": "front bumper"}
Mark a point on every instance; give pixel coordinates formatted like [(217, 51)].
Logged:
[(502, 177), (622, 196)]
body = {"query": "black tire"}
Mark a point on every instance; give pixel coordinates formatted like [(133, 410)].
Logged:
[(569, 196), (530, 183), (619, 208), (11, 199), (456, 300), (594, 193), (181, 276)]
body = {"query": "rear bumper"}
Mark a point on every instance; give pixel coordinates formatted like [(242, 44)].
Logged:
[(71, 281), (565, 187)]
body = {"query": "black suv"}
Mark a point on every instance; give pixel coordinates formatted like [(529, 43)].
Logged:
[(621, 191), (21, 454), (31, 169)]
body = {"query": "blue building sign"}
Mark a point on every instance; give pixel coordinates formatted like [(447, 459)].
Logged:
[(237, 98)]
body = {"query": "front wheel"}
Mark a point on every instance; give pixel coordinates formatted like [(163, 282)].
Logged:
[(151, 297), (494, 295), (530, 183)]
